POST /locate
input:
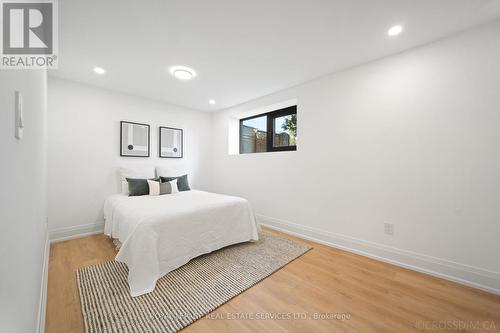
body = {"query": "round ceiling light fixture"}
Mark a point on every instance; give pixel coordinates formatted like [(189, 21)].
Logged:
[(395, 30), (211, 102), (99, 70), (182, 72)]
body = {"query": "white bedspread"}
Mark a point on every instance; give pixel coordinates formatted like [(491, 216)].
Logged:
[(162, 233)]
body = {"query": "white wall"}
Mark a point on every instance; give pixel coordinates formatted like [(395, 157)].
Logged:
[(412, 140), (84, 141), (22, 200)]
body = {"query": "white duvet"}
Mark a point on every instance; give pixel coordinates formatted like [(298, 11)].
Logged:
[(162, 233)]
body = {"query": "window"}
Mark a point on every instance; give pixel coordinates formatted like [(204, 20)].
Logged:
[(272, 131)]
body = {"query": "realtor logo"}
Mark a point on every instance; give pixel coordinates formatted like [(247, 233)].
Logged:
[(29, 34)]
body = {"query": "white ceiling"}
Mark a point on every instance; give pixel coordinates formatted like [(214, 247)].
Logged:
[(242, 50)]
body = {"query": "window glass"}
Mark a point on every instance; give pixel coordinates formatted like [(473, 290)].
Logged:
[(253, 135), (285, 131)]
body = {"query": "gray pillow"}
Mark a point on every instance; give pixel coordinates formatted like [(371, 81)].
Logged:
[(182, 182), (165, 188), (138, 186)]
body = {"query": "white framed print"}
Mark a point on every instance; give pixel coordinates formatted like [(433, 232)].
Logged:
[(134, 139), (170, 142)]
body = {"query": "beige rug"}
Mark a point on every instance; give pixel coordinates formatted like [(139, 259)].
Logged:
[(184, 295)]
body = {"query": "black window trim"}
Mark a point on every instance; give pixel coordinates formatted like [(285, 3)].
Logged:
[(271, 116)]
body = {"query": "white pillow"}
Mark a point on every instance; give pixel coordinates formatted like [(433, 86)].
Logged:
[(170, 171), (137, 172), (143, 172), (125, 187), (154, 187)]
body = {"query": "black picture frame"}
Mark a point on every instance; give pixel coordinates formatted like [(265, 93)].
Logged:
[(122, 153), (160, 128)]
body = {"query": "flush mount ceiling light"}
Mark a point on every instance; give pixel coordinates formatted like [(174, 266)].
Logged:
[(182, 72), (211, 102), (99, 70), (395, 30)]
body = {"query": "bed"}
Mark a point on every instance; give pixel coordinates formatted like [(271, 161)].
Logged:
[(161, 233)]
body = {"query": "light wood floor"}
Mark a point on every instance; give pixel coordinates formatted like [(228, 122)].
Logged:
[(379, 297)]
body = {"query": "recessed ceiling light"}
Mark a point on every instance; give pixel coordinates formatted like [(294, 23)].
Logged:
[(395, 30), (182, 72), (99, 70), (211, 102)]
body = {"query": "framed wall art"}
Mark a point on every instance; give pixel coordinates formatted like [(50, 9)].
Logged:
[(134, 139), (170, 142)]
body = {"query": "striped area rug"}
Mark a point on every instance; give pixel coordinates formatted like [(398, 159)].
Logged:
[(182, 296)]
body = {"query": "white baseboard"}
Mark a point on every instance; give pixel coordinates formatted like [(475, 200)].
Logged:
[(43, 288), (78, 231), (464, 274)]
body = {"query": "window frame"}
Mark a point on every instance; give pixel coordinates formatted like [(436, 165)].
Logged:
[(270, 121)]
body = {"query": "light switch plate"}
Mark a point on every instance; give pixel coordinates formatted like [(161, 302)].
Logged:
[(19, 125)]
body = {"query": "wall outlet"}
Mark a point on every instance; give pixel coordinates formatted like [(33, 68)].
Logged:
[(389, 229)]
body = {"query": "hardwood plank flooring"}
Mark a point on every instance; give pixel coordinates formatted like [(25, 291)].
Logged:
[(372, 296)]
